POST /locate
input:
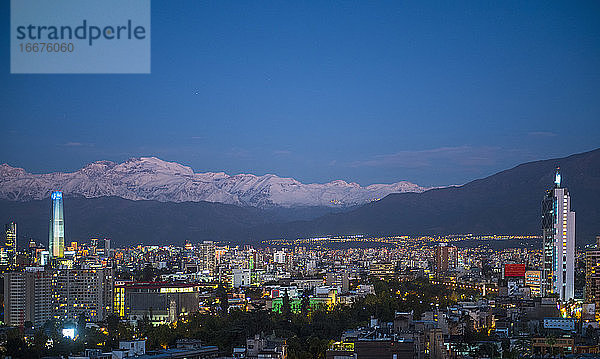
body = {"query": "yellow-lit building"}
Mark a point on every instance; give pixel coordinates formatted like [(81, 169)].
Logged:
[(592, 275), (158, 302), (384, 270), (533, 280)]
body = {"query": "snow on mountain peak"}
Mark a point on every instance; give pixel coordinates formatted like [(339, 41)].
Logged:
[(8, 171), (150, 178), (97, 167), (155, 165)]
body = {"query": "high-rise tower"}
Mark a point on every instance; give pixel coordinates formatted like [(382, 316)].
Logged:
[(592, 275), (446, 258), (558, 231), (56, 241), (8, 251)]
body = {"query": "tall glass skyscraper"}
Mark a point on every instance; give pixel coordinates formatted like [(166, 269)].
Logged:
[(56, 241), (558, 231), (8, 251)]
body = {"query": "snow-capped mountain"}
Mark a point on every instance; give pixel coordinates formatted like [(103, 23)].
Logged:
[(149, 178)]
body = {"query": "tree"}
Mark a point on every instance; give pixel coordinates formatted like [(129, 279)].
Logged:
[(39, 342), (286, 308), (551, 341), (148, 273), (81, 322), (305, 303), (15, 345), (117, 331), (488, 349), (223, 298), (505, 344)]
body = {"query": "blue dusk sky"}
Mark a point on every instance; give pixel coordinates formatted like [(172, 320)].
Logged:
[(435, 93)]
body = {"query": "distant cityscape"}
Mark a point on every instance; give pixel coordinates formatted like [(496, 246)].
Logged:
[(400, 296)]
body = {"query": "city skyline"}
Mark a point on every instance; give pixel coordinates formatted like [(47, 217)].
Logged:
[(430, 285)]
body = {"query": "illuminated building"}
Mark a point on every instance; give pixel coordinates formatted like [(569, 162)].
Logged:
[(446, 258), (83, 291), (207, 256), (382, 270), (592, 275), (28, 297), (340, 350), (341, 279), (558, 227), (241, 277), (8, 251), (56, 240), (11, 236), (541, 347), (326, 299), (160, 302), (533, 280), (279, 257), (514, 270), (365, 346), (266, 347)]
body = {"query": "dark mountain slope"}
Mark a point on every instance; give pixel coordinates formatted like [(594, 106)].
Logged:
[(505, 203), (131, 222)]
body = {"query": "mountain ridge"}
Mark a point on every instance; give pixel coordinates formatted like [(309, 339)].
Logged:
[(507, 202), (150, 178)]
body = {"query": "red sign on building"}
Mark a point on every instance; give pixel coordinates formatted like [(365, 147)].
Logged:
[(514, 270)]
